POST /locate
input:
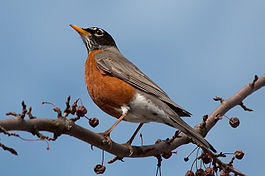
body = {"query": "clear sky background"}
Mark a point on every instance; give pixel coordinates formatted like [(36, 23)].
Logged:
[(194, 50)]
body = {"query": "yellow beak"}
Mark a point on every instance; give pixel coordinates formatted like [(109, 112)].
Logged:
[(80, 30)]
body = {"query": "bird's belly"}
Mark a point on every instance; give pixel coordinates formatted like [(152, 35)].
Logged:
[(143, 110)]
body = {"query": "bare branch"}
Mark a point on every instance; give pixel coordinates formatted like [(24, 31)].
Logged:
[(244, 107), (235, 100), (218, 99), (226, 167), (116, 158), (69, 127), (254, 81), (11, 150), (65, 126), (29, 113), (24, 110), (3, 130)]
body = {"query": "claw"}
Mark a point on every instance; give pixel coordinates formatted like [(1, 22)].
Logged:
[(127, 144), (106, 134), (107, 140)]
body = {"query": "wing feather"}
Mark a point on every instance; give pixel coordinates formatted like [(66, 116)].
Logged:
[(112, 62)]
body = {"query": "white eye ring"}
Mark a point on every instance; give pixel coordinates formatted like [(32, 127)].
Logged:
[(94, 28), (99, 32)]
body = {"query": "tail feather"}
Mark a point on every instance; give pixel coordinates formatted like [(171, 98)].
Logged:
[(185, 128), (199, 139)]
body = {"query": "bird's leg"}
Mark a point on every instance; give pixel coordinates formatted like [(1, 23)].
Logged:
[(129, 142), (106, 134), (134, 134)]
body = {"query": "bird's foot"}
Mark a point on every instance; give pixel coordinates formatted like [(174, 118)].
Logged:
[(128, 144), (107, 140)]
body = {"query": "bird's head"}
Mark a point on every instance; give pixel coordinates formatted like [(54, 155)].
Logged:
[(95, 38)]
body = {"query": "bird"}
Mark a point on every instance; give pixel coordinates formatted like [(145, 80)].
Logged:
[(123, 91)]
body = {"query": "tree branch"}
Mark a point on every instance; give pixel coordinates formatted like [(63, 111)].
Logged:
[(235, 100), (65, 126)]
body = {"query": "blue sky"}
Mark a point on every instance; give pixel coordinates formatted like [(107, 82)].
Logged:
[(194, 50)]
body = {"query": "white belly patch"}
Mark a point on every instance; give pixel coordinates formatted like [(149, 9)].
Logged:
[(143, 110)]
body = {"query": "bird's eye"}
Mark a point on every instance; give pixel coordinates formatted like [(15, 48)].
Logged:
[(99, 32)]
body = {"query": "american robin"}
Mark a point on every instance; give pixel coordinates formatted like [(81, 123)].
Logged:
[(121, 90)]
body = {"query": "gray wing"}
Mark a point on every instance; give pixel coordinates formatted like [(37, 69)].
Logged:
[(112, 62)]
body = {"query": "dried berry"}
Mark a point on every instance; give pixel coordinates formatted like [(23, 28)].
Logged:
[(234, 122), (209, 171), (200, 172), (223, 173), (239, 154), (99, 169), (186, 159), (81, 111), (206, 158), (93, 122), (166, 155), (189, 173)]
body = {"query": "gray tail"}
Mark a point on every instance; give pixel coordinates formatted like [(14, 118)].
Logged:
[(185, 128)]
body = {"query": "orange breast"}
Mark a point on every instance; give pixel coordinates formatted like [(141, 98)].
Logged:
[(108, 92)]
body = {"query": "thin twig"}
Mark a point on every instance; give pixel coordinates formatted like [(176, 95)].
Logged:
[(11, 150), (244, 107)]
